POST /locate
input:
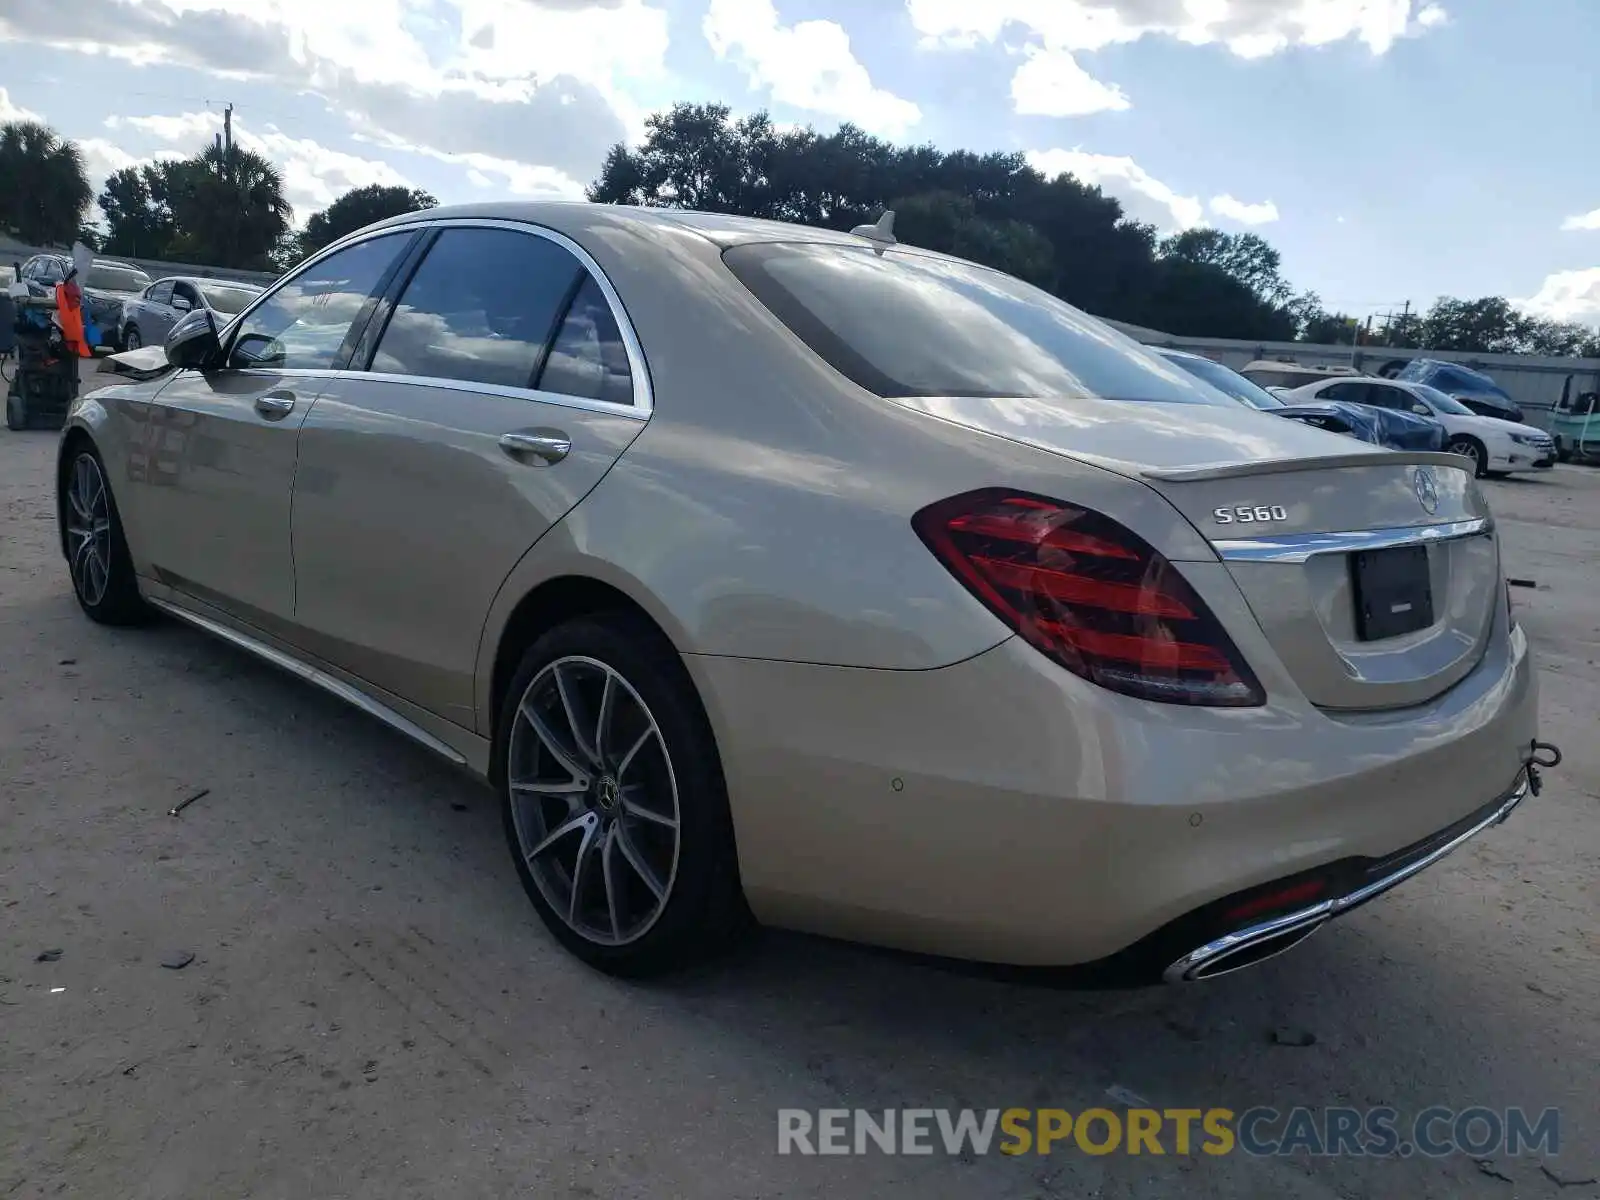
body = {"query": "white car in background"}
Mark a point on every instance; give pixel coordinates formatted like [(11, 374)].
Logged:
[(1495, 446)]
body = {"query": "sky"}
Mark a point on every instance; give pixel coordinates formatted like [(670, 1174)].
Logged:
[(1393, 150)]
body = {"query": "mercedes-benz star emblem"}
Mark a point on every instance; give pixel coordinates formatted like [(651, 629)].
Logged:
[(1427, 491)]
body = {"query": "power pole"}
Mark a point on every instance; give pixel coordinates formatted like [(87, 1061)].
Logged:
[(227, 129)]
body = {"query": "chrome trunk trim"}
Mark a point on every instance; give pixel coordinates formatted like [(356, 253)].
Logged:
[(1298, 547)]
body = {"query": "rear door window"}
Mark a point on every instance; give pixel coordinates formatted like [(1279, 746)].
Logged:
[(481, 308), (588, 359), (905, 324), (1350, 393)]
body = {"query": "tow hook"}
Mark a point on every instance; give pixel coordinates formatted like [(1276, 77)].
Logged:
[(1551, 757)]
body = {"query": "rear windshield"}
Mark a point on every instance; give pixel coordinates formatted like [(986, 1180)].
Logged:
[(1227, 381), (907, 324), (116, 279)]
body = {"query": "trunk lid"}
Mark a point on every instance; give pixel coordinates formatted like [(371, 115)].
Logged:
[(1374, 573)]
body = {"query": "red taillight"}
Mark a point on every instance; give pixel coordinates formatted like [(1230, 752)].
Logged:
[(1090, 594)]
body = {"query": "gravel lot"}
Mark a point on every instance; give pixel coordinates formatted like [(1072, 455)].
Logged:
[(374, 1011)]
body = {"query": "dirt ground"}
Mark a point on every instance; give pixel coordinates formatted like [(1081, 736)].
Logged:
[(372, 1009)]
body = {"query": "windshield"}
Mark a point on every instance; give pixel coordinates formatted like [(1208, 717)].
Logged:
[(228, 300), (1442, 403), (116, 279), (907, 324), (1227, 381)]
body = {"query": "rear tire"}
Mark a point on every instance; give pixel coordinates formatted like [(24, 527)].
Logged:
[(97, 552), (1470, 447), (615, 809), (16, 416)]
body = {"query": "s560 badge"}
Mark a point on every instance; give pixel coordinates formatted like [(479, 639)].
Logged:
[(1243, 514)]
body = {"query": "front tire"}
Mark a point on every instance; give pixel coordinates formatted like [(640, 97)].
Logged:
[(97, 551), (613, 799), (1471, 448), (132, 339)]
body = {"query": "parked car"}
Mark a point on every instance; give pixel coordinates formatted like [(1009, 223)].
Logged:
[(107, 284), (1381, 427), (1494, 446), (777, 571), (1477, 391), (1277, 376), (148, 317)]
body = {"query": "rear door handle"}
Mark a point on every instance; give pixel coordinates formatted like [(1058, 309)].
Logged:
[(551, 445), (274, 406)]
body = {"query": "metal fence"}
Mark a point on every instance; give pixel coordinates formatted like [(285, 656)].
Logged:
[(11, 251), (1537, 384)]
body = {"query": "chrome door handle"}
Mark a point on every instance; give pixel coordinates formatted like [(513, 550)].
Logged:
[(275, 405), (550, 445)]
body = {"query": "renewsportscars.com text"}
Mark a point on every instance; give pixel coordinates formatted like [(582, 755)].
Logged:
[(1349, 1132)]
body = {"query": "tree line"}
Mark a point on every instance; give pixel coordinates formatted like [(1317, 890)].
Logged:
[(225, 206)]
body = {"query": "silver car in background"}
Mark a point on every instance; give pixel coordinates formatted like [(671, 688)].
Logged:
[(148, 317), (767, 570)]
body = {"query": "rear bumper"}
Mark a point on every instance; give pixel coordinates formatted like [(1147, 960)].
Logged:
[(1002, 810), (1249, 944)]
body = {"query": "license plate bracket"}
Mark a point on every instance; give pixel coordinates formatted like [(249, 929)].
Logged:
[(1393, 591)]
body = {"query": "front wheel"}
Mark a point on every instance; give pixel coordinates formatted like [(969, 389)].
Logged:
[(613, 799), (1473, 449), (131, 338), (97, 552)]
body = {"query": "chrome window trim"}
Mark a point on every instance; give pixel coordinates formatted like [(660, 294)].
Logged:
[(1298, 547), (643, 391)]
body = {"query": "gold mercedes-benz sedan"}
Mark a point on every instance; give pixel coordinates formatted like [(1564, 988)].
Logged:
[(774, 572)]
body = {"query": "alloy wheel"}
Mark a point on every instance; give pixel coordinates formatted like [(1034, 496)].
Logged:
[(1467, 450), (594, 800), (88, 530), (132, 339)]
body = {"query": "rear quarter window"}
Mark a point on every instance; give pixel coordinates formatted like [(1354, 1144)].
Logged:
[(906, 324)]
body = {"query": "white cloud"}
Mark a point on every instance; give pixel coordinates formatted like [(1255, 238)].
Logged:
[(1568, 296), (518, 178), (1248, 28), (1052, 84), (1250, 25), (808, 65), (1228, 208), (542, 86), (15, 112), (1589, 221), (1143, 197)]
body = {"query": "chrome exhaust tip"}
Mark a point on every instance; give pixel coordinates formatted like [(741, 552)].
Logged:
[(1236, 951)]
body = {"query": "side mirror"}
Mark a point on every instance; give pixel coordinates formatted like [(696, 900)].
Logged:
[(1422, 410), (181, 303), (193, 342)]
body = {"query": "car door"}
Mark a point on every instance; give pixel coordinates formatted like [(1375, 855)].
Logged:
[(502, 386), (152, 313), (211, 499)]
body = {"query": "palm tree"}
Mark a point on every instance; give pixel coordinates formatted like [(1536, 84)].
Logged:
[(44, 190), (228, 207)]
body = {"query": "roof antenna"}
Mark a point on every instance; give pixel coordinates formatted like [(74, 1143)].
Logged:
[(880, 235)]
